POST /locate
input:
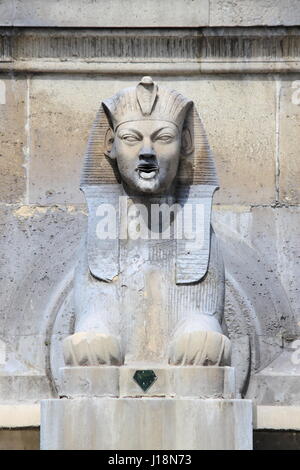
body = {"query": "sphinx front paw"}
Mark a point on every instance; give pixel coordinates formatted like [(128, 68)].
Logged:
[(197, 346), (91, 349)]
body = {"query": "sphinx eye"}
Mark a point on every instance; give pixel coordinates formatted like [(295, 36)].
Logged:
[(130, 138), (165, 137)]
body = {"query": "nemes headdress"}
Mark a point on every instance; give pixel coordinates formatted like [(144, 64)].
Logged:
[(196, 179), (146, 101)]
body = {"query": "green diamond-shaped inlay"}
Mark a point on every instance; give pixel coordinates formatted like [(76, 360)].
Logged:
[(144, 378)]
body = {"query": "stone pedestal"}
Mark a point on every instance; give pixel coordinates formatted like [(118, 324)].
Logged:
[(119, 408)]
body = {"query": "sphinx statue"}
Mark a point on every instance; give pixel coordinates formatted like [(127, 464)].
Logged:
[(149, 299), (148, 352)]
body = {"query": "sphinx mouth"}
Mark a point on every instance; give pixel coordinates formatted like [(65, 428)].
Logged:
[(147, 171)]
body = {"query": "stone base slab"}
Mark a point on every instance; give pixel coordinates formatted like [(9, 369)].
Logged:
[(146, 423), (171, 381)]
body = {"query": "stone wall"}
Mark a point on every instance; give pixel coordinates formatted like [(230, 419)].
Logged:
[(240, 62), (154, 13)]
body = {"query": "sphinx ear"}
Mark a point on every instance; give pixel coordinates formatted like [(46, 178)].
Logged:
[(108, 143), (187, 141)]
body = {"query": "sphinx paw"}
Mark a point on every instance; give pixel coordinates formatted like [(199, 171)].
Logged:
[(91, 349), (200, 348)]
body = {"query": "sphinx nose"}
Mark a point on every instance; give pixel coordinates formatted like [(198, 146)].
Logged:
[(147, 153)]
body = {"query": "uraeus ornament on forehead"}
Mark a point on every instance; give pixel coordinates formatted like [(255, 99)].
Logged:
[(196, 177), (146, 101)]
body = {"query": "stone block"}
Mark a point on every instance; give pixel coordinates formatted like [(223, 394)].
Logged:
[(16, 388), (89, 381), (192, 381), (20, 439), (38, 251), (58, 139), (6, 12), (146, 423), (181, 13), (254, 12), (289, 141), (284, 242), (121, 13), (259, 247), (239, 119), (274, 235), (13, 138), (278, 383)]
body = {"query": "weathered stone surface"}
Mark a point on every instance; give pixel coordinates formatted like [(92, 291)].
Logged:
[(61, 115), (127, 13), (289, 141), (239, 119), (278, 383), (254, 12), (16, 388), (147, 423), (143, 45), (13, 138), (192, 382), (274, 234), (6, 12), (89, 381), (124, 51), (38, 247), (176, 381), (262, 295), (285, 237)]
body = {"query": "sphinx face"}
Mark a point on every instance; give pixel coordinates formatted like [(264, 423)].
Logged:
[(148, 154)]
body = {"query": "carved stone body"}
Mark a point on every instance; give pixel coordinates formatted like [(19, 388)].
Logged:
[(149, 300)]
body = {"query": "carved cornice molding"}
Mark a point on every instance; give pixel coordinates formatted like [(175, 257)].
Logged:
[(163, 51)]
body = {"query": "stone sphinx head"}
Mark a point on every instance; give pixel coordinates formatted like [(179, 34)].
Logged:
[(144, 140), (147, 136)]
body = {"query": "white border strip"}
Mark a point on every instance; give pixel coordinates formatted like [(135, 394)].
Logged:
[(19, 416), (161, 68), (277, 417), (265, 417)]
